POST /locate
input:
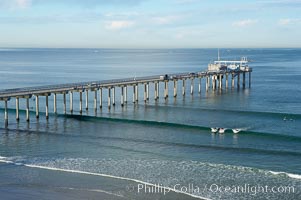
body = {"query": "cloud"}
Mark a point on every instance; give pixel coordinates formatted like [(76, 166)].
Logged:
[(280, 3), (244, 23), (187, 1), (288, 21), (122, 14), (15, 4), (91, 2), (23, 3), (165, 20), (118, 24)]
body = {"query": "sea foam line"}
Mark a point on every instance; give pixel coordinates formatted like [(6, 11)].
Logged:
[(95, 190), (3, 159), (295, 176)]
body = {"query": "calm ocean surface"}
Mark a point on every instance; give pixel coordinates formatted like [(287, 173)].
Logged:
[(165, 142)]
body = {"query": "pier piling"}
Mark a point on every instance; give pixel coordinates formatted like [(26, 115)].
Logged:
[(47, 109), (17, 109), (71, 101), (238, 80), (157, 97), (207, 83), (183, 87), (213, 82), (175, 88), (165, 89), (64, 102), (191, 85), (227, 80), (95, 100), (220, 82), (37, 106), (147, 91), (113, 96), (100, 98), (125, 94), (155, 93), (54, 103), (109, 98), (244, 80), (87, 99), (122, 96), (80, 102), (5, 113), (249, 79), (134, 94), (27, 109)]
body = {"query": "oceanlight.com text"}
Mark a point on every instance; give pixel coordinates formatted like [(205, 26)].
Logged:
[(213, 188)]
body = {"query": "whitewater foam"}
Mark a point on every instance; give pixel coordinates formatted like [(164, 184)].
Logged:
[(4, 159), (295, 176), (96, 190)]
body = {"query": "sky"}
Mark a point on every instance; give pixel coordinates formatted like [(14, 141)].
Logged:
[(150, 23)]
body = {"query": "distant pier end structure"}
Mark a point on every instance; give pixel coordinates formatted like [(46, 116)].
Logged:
[(229, 67), (215, 77)]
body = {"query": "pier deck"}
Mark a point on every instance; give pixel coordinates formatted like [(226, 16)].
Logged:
[(98, 86)]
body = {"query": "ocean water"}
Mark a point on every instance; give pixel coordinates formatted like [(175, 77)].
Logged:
[(166, 143)]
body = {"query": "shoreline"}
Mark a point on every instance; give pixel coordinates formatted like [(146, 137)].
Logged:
[(28, 182)]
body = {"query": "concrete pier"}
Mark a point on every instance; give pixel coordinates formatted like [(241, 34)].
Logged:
[(249, 80), (220, 82), (37, 106), (134, 94), (145, 92), (157, 91), (87, 99), (227, 80), (100, 98), (113, 96), (95, 100), (80, 102), (27, 109), (207, 83), (71, 101), (165, 89), (27, 93), (47, 108), (183, 87), (5, 113), (17, 109), (244, 80), (191, 85), (125, 94), (213, 82), (238, 80), (122, 96), (175, 88), (54, 103), (109, 98), (64, 102)]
